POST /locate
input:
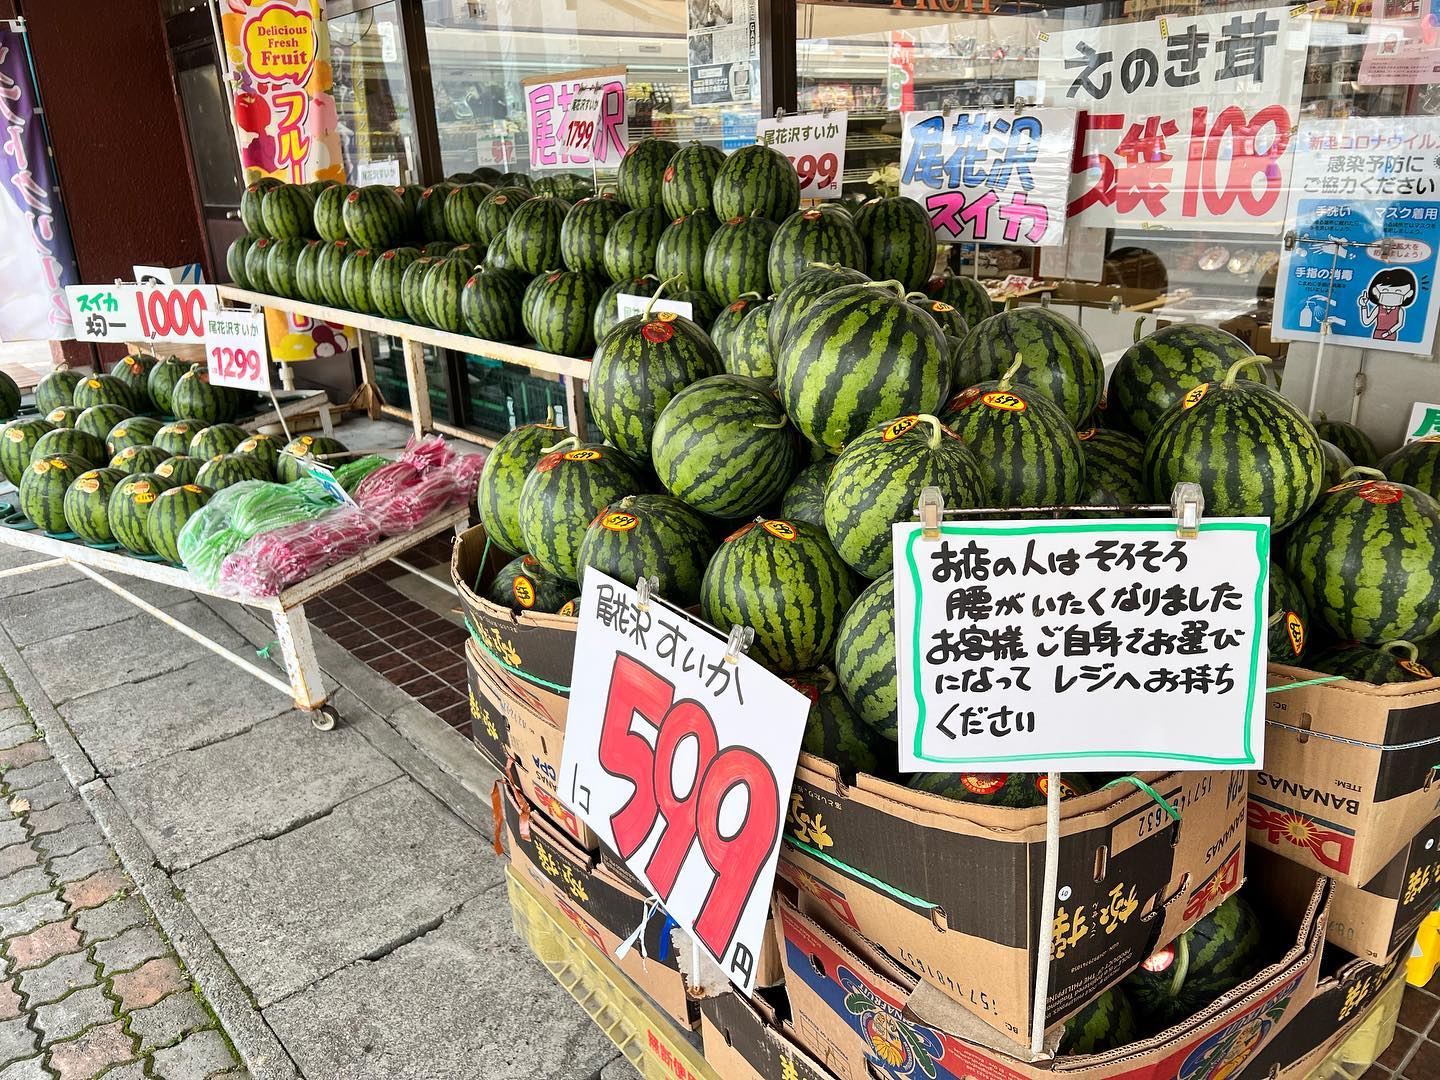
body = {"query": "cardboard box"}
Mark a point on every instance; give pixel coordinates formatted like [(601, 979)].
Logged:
[(1374, 921), (1349, 773), (603, 908), (953, 890), (745, 1039), (488, 726), (862, 1015)]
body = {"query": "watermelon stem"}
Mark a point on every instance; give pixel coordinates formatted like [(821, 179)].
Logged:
[(1239, 366), (895, 285), (1139, 324), (1412, 653), (775, 426), (936, 429), (1362, 470), (658, 290), (575, 439), (1004, 383), (1182, 964)]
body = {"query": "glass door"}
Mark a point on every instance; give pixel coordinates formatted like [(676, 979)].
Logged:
[(374, 95)]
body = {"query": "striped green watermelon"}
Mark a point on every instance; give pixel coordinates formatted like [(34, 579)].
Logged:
[(329, 265), (1112, 468), (490, 306), (755, 180), (1416, 465), (412, 288), (506, 467), (861, 356), (315, 187), (329, 216), (103, 390), (282, 266), (264, 448), (899, 241), (583, 231), (288, 212), (680, 253), (813, 235), (1366, 558), (227, 469), (497, 256), (86, 505), (1393, 662), (785, 580), (134, 460), (641, 177), (134, 371), (130, 504), (794, 300), (307, 272), (56, 389), (461, 206), (178, 469), (607, 308), (685, 185), (137, 431), (629, 248), (43, 486), (562, 495), (374, 217), (171, 510), (355, 280), (1107, 1022), (487, 175), (703, 306), (1357, 446), (194, 397), (652, 536), (1058, 358), (965, 294), (251, 201), (1018, 791), (17, 441), (724, 446), (643, 362), (386, 274), (1336, 463), (63, 416), (832, 729), (438, 247), (9, 397), (524, 585), (748, 350), (440, 293), (1029, 449), (99, 419), (1158, 370), (493, 215), (430, 212), (804, 499), (174, 437), (877, 479), (728, 320), (410, 207), (563, 313), (1214, 956), (533, 235), (255, 263), (235, 256), (1252, 452), (161, 380), (951, 322), (736, 259), (290, 467), (1289, 618), (216, 439), (865, 657), (70, 442)]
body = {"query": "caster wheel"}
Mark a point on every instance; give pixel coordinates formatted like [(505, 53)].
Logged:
[(324, 718)]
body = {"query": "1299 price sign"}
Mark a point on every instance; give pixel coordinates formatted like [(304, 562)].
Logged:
[(235, 349), (681, 760)]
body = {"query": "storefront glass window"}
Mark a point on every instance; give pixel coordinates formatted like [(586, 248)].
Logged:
[(372, 94)]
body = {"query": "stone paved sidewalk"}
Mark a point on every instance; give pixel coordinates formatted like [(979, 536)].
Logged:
[(91, 986)]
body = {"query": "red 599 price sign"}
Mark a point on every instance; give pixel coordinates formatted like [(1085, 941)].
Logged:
[(235, 349), (681, 761)]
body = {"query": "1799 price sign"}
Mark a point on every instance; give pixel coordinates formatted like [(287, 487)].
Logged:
[(680, 759)]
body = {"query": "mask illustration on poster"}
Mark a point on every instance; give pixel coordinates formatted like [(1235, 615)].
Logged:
[(1383, 304)]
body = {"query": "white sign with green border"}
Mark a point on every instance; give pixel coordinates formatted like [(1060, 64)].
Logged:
[(1424, 421), (1088, 645)]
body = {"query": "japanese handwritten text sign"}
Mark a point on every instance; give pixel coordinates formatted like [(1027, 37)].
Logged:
[(235, 349), (990, 174), (548, 99), (681, 760), (1187, 120), (815, 145), (1365, 210), (1104, 645), (172, 313)]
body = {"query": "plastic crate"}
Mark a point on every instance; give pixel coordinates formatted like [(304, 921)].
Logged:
[(1353, 1057), (649, 1041)]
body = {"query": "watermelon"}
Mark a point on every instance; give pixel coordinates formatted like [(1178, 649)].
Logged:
[(748, 348), (533, 235), (264, 448), (70, 442), (288, 212), (832, 730), (255, 263), (56, 389), (1289, 618), (1214, 956), (251, 203), (865, 657), (194, 397), (1158, 370), (134, 371), (1355, 444), (235, 256), (813, 235), (643, 362), (1027, 446), (490, 306), (861, 356), (1336, 464), (17, 441), (137, 431), (178, 469), (1112, 468), (898, 241), (1416, 465), (410, 207), (99, 419), (226, 469), (506, 467), (329, 216), (524, 585), (755, 580), (160, 383), (723, 328), (216, 439), (289, 465), (1365, 559), (438, 247), (374, 217), (724, 446), (104, 390), (1393, 662), (1107, 1022), (641, 177), (1058, 358), (687, 181), (282, 266), (130, 504), (877, 479), (755, 180), (493, 214), (583, 232), (329, 265), (168, 515), (138, 459), (952, 324), (1018, 791), (563, 313), (1253, 453), (440, 293), (795, 299), (703, 306), (86, 505), (386, 273), (412, 288), (562, 495), (497, 256), (43, 486), (307, 272), (174, 438), (487, 174), (804, 499), (607, 308), (355, 280), (63, 416), (652, 536), (630, 245), (964, 294), (680, 252), (736, 259)]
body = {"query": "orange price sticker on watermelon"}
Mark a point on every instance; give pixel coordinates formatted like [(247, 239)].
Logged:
[(236, 349)]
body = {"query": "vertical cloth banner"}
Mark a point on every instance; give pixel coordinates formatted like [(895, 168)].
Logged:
[(1365, 210), (722, 43), (992, 175), (1186, 120), (37, 260), (547, 106), (900, 72)]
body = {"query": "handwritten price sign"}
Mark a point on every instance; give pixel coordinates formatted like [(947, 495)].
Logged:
[(171, 313), (815, 145), (235, 349), (681, 761)]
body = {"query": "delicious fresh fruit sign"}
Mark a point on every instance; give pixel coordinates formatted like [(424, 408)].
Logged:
[(680, 757)]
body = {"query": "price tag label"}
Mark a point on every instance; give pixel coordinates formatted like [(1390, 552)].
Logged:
[(629, 304), (815, 145), (681, 761), (325, 476), (117, 313), (236, 349), (582, 120), (385, 171)]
